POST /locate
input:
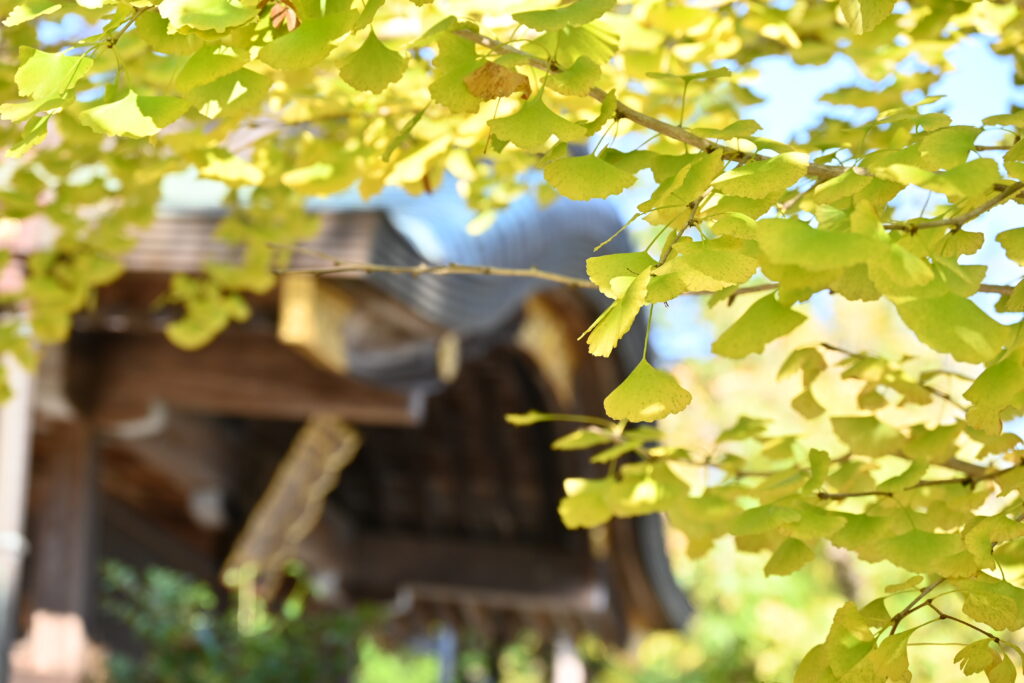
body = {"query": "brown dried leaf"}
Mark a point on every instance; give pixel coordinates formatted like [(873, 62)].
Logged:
[(494, 80)]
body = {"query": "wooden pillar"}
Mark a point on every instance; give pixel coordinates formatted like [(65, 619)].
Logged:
[(61, 570)]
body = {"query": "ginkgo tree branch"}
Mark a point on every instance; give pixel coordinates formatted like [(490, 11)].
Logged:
[(945, 615), (449, 269), (337, 267), (960, 220), (656, 125)]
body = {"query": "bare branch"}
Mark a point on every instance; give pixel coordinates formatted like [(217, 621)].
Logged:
[(449, 269)]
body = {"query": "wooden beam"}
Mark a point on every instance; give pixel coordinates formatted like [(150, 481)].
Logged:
[(378, 564), (293, 503), (243, 375)]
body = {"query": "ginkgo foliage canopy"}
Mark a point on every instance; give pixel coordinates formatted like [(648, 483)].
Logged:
[(282, 100)]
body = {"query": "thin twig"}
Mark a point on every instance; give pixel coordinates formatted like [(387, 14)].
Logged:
[(944, 615), (856, 494), (901, 615), (957, 221), (449, 269)]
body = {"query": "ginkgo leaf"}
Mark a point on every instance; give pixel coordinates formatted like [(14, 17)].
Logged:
[(605, 332), (954, 325), (532, 126), (231, 169), (207, 65), (904, 585), (791, 241), (603, 269), (743, 128), (19, 111), (491, 80), (156, 32), (687, 183), (864, 15), (235, 94), (997, 387), (758, 179), (820, 466), (1004, 671), (932, 445), (707, 265), (576, 14), (790, 556), (887, 662), (867, 435), (587, 177), (48, 75), (206, 15), (581, 439), (763, 519), (577, 79), (991, 601), (456, 60), (948, 147), (923, 551), (134, 115), (29, 10), (373, 66), (585, 504), (764, 321), (307, 45), (646, 395), (984, 533), (1013, 243)]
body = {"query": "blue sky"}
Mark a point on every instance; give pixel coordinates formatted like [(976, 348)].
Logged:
[(980, 85)]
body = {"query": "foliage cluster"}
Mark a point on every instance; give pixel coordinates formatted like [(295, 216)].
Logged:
[(282, 99)]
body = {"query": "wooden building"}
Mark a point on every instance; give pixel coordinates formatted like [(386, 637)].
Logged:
[(354, 422)]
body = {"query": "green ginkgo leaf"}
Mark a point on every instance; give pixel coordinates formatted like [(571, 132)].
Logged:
[(576, 14), (764, 321), (991, 601), (206, 15), (864, 15), (646, 395), (790, 556), (586, 177), (577, 79), (585, 504), (456, 60), (532, 126), (948, 147), (48, 75), (954, 325), (867, 435), (602, 270), (29, 10), (766, 178), (1013, 243), (208, 64), (791, 241), (307, 45), (236, 94), (604, 334), (374, 66), (134, 115)]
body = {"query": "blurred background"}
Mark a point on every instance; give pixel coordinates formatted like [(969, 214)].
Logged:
[(330, 491)]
